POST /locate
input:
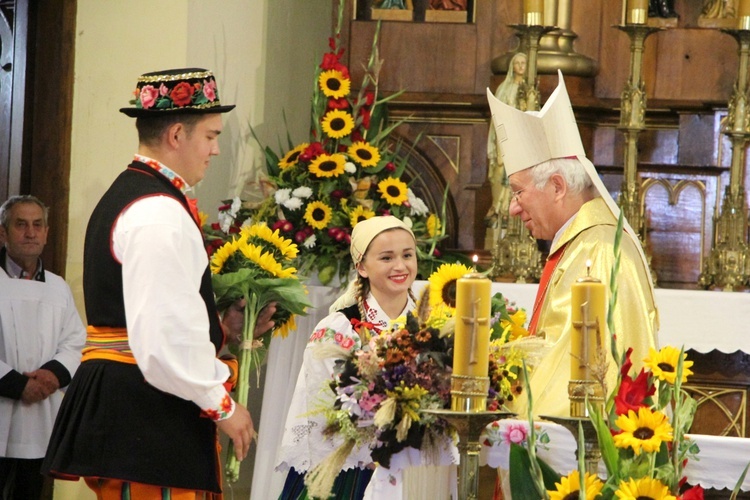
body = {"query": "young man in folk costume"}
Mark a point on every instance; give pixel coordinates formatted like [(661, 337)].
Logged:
[(141, 415), (559, 197)]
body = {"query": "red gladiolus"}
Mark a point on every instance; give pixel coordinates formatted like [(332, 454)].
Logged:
[(633, 393), (365, 113), (369, 98), (340, 103), (627, 364), (694, 493)]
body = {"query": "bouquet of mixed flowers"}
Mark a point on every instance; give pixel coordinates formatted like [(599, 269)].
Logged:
[(255, 265), (345, 172), (382, 389)]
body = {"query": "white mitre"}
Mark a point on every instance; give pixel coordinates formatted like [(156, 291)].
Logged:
[(526, 139)]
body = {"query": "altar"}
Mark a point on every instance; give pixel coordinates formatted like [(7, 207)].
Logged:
[(711, 325)]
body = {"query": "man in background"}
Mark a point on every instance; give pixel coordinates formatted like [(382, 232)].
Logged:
[(41, 337)]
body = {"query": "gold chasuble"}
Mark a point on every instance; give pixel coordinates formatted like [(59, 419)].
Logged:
[(590, 236)]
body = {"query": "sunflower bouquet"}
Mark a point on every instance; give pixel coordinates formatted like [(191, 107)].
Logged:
[(382, 389), (255, 265), (346, 171)]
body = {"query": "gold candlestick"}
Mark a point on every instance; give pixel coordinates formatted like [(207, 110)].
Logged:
[(632, 122), (469, 426), (591, 452), (728, 265)]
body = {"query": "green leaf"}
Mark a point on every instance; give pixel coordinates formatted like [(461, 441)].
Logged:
[(610, 454)]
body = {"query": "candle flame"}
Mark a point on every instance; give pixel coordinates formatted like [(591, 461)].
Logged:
[(475, 258), (588, 267)]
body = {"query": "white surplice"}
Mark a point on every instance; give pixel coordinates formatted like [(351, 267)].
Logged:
[(38, 323)]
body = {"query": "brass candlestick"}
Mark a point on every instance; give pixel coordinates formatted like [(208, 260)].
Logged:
[(514, 251), (592, 454), (632, 122), (469, 426), (728, 265)]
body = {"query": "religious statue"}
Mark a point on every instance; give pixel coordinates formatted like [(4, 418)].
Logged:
[(512, 91), (448, 4), (719, 9), (661, 8)]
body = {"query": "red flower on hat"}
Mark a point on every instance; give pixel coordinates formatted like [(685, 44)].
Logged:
[(182, 94), (148, 96)]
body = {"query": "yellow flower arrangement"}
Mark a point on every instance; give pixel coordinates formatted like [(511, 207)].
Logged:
[(350, 168)]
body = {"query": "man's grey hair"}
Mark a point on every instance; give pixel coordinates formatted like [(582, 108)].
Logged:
[(15, 200), (571, 169)]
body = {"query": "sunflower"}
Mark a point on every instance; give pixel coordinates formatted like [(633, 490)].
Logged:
[(569, 487), (663, 364), (222, 255), (334, 84), (393, 191), (285, 247), (337, 124), (318, 214), (433, 225), (645, 430), (359, 214), (290, 159), (265, 260), (327, 165), (364, 154), (290, 325), (443, 285), (645, 488)]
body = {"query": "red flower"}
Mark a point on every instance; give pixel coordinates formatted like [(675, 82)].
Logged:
[(311, 152), (340, 103), (694, 493), (633, 393), (627, 364), (182, 94), (365, 113)]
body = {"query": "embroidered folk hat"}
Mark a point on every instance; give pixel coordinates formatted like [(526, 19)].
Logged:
[(183, 90)]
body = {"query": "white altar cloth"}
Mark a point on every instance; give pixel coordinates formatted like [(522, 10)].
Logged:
[(687, 317), (720, 462)]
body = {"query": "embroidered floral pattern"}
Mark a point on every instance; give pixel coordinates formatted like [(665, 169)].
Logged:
[(331, 335), (164, 170), (193, 91), (225, 409)]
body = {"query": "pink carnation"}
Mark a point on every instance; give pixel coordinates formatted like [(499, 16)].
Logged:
[(148, 96), (369, 401), (515, 433)]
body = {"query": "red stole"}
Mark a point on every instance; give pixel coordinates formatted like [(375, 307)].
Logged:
[(541, 293)]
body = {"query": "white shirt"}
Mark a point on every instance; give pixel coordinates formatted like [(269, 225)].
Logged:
[(38, 323), (163, 260)]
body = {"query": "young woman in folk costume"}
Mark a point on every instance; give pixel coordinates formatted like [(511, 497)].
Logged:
[(384, 253)]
